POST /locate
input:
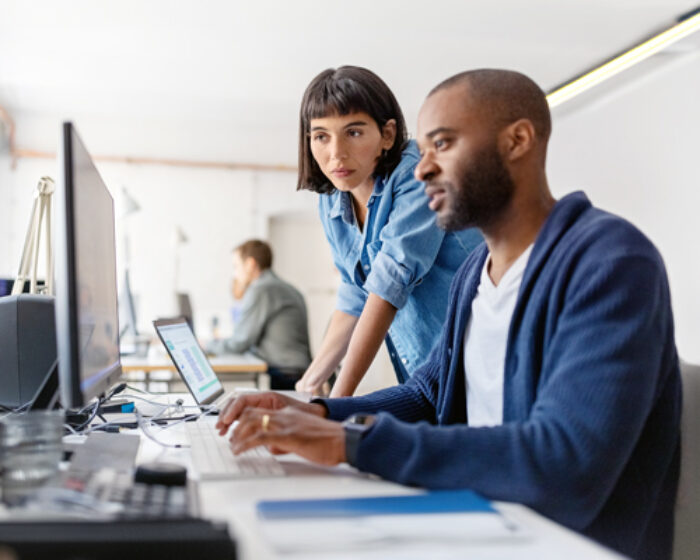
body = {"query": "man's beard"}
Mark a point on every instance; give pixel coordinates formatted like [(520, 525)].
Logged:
[(485, 189)]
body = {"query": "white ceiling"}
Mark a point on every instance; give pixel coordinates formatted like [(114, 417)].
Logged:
[(208, 79)]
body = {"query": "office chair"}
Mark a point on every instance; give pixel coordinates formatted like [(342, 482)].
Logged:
[(687, 532)]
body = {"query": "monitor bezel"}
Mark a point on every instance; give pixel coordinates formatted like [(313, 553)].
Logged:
[(67, 321)]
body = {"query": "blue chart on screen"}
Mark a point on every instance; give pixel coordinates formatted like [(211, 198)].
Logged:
[(190, 360)]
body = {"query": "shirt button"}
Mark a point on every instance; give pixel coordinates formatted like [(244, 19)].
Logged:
[(404, 361), (366, 267)]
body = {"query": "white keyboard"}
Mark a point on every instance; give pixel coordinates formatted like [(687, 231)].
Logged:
[(212, 457)]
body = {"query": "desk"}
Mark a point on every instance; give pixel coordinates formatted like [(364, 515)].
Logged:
[(239, 366), (234, 501)]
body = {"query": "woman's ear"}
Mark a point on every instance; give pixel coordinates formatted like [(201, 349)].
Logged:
[(389, 134)]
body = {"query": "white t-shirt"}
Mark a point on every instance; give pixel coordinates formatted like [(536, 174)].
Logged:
[(485, 340)]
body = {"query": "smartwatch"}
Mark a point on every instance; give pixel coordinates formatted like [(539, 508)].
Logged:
[(356, 426)]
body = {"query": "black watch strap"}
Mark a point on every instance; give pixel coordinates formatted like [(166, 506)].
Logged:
[(356, 427)]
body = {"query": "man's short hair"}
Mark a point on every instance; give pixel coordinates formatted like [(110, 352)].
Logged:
[(507, 95), (259, 250)]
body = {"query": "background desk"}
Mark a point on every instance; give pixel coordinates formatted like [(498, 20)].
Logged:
[(229, 367), (234, 501)]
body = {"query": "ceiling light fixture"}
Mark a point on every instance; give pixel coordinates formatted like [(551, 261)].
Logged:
[(687, 24)]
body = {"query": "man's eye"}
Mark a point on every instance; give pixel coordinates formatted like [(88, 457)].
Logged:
[(354, 132), (440, 144)]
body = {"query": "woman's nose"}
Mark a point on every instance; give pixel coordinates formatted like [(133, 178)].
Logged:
[(337, 149)]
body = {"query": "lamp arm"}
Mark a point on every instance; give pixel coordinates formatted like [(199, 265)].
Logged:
[(23, 270), (41, 210), (37, 241)]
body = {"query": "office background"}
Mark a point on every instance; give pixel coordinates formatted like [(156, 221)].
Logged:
[(220, 82)]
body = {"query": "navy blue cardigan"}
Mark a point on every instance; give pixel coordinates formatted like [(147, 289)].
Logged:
[(592, 394)]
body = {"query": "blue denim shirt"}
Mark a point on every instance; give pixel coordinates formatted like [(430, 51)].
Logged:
[(401, 255)]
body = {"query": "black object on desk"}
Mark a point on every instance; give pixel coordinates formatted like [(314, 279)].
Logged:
[(145, 519), (165, 474), (116, 540)]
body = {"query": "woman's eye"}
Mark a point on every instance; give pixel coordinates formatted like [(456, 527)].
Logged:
[(319, 137)]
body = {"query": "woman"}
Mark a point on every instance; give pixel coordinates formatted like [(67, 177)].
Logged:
[(396, 265)]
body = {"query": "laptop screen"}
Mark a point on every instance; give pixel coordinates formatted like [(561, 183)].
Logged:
[(189, 360)]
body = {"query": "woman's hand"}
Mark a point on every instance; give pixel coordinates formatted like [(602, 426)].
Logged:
[(290, 430), (317, 387), (332, 350), (235, 407)]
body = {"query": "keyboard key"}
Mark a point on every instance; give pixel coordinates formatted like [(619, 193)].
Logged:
[(212, 456)]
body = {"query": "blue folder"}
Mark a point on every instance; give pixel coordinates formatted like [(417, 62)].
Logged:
[(440, 501)]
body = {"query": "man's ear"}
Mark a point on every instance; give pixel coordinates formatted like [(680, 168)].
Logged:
[(388, 134), (517, 139)]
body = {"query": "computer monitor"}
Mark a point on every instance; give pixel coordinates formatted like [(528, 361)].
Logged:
[(184, 308), (127, 310), (87, 319)]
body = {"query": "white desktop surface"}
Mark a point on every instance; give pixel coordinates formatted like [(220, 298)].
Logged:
[(224, 363), (234, 501)]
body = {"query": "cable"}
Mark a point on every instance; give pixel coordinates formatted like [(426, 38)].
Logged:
[(145, 424), (145, 429), (95, 410)]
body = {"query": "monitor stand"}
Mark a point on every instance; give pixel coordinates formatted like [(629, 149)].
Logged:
[(47, 398)]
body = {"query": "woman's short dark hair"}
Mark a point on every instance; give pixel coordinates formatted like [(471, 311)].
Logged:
[(345, 90)]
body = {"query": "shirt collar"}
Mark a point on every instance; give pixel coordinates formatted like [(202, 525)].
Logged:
[(378, 189), (342, 205), (342, 208)]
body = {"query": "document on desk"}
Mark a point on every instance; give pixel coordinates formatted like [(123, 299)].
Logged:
[(459, 516)]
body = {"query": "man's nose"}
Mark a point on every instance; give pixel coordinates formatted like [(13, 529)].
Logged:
[(426, 168)]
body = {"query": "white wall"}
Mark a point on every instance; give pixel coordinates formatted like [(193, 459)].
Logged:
[(216, 209), (635, 153)]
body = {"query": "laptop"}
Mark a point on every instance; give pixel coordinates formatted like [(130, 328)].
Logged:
[(191, 362), (211, 454)]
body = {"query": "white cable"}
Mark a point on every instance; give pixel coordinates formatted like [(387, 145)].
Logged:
[(73, 431), (192, 417), (144, 425)]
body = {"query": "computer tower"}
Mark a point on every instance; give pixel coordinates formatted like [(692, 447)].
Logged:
[(27, 346)]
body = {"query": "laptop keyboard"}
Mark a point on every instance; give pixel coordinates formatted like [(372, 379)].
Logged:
[(212, 456)]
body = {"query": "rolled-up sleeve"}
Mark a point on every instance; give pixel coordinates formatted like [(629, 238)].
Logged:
[(351, 299), (410, 242)]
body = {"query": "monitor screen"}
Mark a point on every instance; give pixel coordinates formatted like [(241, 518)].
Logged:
[(87, 324)]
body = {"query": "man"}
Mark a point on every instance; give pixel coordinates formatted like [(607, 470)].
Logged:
[(555, 383), (272, 319)]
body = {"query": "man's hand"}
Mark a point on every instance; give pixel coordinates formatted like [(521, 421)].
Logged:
[(238, 288), (290, 430), (234, 408)]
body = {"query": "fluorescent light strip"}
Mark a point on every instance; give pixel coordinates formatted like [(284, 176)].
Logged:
[(624, 61)]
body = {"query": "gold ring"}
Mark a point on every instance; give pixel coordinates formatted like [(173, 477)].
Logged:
[(265, 422)]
